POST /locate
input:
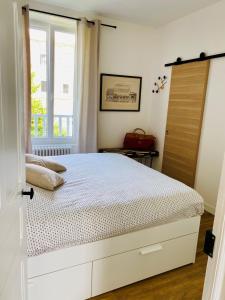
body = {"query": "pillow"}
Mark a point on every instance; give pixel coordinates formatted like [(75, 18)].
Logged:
[(43, 177), (44, 162)]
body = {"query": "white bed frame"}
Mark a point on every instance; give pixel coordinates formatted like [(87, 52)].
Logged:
[(84, 271)]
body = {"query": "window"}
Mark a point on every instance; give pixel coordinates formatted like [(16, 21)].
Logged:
[(43, 59), (52, 73), (65, 88), (43, 86), (39, 122)]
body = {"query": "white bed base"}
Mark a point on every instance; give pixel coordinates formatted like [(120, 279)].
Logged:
[(84, 271)]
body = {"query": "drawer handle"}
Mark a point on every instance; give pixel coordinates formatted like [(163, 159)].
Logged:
[(150, 249)]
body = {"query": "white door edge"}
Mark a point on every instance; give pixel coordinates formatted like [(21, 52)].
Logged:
[(214, 286)]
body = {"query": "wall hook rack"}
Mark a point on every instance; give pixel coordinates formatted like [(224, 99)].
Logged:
[(160, 84)]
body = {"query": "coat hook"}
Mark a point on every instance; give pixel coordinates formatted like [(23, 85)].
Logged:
[(160, 84)]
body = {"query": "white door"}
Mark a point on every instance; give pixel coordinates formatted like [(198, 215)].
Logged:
[(12, 256), (214, 287)]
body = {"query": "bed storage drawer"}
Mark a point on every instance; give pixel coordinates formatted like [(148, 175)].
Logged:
[(123, 269), (69, 284)]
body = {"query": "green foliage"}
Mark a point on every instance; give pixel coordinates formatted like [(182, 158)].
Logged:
[(56, 130), (38, 108), (34, 87)]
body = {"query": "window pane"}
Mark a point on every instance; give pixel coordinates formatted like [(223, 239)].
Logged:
[(63, 83), (39, 121)]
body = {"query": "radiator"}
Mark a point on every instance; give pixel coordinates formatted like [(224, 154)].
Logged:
[(51, 150)]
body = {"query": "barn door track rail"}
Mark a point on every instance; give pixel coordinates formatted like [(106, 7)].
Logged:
[(201, 57)]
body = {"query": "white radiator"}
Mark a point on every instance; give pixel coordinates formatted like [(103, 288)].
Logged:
[(51, 150)]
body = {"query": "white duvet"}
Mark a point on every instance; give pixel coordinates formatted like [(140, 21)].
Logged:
[(104, 195)]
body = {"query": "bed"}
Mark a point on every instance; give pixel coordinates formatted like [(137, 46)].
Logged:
[(112, 223)]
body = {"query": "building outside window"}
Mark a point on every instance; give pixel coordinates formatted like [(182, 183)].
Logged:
[(65, 88), (43, 59), (43, 86)]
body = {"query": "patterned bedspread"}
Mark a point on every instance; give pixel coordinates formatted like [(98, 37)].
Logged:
[(104, 195)]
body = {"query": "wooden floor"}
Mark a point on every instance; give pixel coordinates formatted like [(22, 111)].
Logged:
[(185, 283)]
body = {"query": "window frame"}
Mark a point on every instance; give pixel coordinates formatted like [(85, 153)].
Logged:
[(50, 28)]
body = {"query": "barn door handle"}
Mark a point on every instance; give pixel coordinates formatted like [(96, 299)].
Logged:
[(167, 132), (29, 193)]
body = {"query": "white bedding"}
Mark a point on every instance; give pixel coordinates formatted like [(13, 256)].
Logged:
[(104, 195)]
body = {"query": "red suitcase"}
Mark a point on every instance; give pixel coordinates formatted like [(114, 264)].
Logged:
[(139, 141)]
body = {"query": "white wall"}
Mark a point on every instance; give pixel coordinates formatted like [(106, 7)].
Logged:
[(187, 37), (128, 50)]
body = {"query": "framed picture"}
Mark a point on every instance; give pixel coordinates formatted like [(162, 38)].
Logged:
[(120, 93)]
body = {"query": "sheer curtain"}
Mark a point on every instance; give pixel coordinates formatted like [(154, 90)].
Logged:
[(27, 81), (87, 85)]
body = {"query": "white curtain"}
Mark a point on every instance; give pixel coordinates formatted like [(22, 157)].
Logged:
[(87, 85)]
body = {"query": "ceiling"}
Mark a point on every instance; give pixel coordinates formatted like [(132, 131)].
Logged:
[(146, 12)]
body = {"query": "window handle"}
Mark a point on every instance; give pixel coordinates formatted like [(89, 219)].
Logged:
[(29, 193)]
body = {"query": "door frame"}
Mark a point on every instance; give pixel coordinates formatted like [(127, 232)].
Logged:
[(214, 286), (12, 211), (19, 66)]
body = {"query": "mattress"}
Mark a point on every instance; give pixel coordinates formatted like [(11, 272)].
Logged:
[(104, 195)]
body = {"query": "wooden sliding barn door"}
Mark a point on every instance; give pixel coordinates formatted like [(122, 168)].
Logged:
[(184, 120)]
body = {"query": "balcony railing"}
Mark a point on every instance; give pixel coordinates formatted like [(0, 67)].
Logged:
[(62, 126)]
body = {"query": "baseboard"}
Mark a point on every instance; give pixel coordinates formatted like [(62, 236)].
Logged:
[(210, 208)]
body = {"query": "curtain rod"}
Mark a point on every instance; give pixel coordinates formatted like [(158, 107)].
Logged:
[(201, 57), (67, 17)]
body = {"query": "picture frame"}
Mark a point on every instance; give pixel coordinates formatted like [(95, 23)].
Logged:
[(120, 93)]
